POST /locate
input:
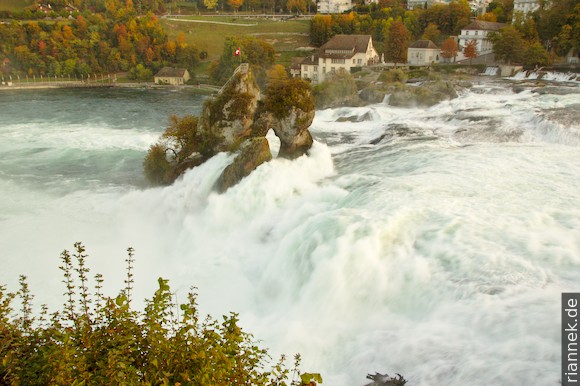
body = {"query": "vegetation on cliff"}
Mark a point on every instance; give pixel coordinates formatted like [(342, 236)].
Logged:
[(99, 340), (231, 121)]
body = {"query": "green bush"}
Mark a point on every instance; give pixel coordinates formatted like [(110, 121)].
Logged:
[(392, 76), (99, 340)]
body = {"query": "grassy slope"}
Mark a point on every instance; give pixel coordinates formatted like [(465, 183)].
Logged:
[(285, 36), (13, 5)]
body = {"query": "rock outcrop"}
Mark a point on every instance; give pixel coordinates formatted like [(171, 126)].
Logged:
[(252, 153), (230, 115), (236, 120)]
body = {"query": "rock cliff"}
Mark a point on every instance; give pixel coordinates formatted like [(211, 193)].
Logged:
[(237, 120)]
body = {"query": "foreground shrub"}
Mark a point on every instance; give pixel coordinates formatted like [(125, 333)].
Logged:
[(98, 340)]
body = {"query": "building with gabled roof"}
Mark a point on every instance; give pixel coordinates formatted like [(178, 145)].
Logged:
[(341, 51), (478, 30), (423, 53), (172, 76)]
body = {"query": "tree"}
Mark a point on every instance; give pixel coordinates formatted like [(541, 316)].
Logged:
[(508, 45), (470, 50), (432, 33), (210, 4), (396, 46), (536, 55), (296, 6), (236, 4), (449, 49), (488, 16)]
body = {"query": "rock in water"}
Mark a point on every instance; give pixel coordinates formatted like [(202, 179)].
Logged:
[(230, 115), (252, 153)]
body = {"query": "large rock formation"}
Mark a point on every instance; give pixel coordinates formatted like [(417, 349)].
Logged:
[(230, 115), (237, 120)]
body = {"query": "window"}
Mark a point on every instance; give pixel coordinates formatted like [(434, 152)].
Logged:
[(476, 33), (324, 70), (315, 68), (354, 61), (337, 61), (359, 62)]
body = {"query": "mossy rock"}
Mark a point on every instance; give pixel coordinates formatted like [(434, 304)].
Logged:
[(252, 153)]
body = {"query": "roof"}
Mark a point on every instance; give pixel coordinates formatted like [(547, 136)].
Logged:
[(310, 59), (424, 44), (170, 72), (484, 25), (352, 43)]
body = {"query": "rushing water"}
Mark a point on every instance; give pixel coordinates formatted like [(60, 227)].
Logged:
[(430, 242)]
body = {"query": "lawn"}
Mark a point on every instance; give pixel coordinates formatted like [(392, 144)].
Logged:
[(14, 5), (208, 35)]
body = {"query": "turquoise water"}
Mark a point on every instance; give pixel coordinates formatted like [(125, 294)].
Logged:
[(430, 242)]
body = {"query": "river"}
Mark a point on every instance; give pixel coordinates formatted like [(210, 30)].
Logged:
[(432, 242)]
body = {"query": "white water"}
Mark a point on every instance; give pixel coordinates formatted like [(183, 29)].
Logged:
[(430, 242), (548, 76), (491, 71)]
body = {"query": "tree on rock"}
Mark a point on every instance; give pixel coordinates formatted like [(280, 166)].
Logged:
[(181, 146), (470, 50), (397, 44)]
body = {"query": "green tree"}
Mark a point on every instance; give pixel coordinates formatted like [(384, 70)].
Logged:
[(536, 55), (508, 45), (396, 46)]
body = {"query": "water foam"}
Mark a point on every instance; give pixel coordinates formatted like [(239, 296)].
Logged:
[(439, 251)]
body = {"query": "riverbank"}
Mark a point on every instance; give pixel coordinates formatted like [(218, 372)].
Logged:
[(7, 86)]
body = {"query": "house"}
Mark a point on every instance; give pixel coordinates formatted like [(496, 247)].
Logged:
[(524, 8), (423, 53), (172, 76), (478, 30), (412, 4), (342, 51), (333, 6)]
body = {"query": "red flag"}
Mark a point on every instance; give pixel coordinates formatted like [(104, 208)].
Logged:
[(238, 52)]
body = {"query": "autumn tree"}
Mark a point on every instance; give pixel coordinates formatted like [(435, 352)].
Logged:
[(235, 4), (210, 4), (488, 16), (396, 46), (470, 50), (449, 49), (297, 6), (432, 33)]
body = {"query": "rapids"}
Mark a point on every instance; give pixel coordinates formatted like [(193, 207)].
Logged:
[(430, 242)]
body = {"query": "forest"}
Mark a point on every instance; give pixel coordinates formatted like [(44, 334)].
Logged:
[(98, 37)]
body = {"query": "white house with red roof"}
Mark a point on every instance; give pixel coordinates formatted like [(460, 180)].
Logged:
[(342, 51)]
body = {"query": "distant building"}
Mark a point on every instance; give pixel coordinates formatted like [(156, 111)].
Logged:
[(333, 6), (172, 76), (342, 51), (478, 30), (423, 53), (412, 4), (524, 7)]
